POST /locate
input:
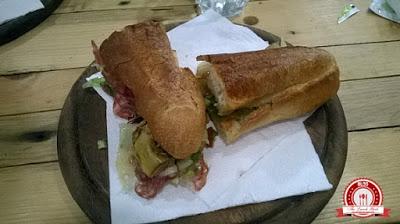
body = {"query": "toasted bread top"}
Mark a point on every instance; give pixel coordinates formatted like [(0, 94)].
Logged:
[(166, 96), (250, 79)]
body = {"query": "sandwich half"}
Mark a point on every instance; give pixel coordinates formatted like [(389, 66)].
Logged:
[(140, 66), (248, 90)]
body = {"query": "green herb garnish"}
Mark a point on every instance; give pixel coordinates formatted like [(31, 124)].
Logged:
[(102, 144), (96, 82)]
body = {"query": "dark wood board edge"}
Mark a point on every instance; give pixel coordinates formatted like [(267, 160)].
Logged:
[(17, 27), (84, 189), (92, 159)]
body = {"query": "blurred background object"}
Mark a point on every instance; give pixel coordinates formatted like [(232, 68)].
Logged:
[(395, 5), (227, 8), (11, 9), (18, 17), (347, 12), (389, 9)]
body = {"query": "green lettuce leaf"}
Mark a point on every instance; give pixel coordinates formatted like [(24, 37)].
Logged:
[(96, 82)]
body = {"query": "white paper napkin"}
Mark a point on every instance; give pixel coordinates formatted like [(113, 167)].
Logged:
[(211, 33), (273, 162), (10, 9)]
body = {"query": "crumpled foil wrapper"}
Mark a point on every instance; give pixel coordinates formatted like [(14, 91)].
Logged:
[(389, 9), (226, 8)]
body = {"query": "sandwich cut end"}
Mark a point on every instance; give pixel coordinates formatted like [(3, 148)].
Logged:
[(212, 84)]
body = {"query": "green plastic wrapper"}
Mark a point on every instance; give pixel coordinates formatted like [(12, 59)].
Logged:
[(347, 12)]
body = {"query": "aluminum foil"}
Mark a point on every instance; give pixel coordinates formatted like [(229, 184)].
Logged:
[(389, 9), (227, 8)]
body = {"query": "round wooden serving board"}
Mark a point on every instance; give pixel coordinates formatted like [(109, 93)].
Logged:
[(85, 167)]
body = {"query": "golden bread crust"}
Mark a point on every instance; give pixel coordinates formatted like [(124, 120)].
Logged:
[(166, 96), (291, 103), (249, 77), (294, 87)]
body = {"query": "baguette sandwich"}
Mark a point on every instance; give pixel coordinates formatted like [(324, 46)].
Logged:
[(248, 90), (140, 66)]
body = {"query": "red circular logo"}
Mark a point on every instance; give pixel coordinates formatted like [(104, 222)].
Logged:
[(363, 192)]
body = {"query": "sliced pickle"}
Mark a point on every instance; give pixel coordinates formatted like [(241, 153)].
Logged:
[(191, 171), (151, 159), (183, 164), (189, 167)]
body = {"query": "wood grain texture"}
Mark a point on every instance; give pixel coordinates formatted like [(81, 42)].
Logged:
[(35, 92), (373, 154), (371, 103), (314, 23), (45, 48), (30, 92), (37, 193), (63, 40), (362, 61), (93, 5), (28, 138)]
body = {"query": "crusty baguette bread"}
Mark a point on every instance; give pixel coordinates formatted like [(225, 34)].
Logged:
[(166, 96), (297, 83), (250, 79)]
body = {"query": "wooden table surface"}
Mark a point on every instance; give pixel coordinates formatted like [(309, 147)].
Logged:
[(39, 68)]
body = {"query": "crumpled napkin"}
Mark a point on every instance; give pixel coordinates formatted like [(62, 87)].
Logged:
[(211, 33)]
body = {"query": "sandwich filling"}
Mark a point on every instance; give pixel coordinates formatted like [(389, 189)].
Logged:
[(154, 167), (214, 97), (224, 118), (237, 115)]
